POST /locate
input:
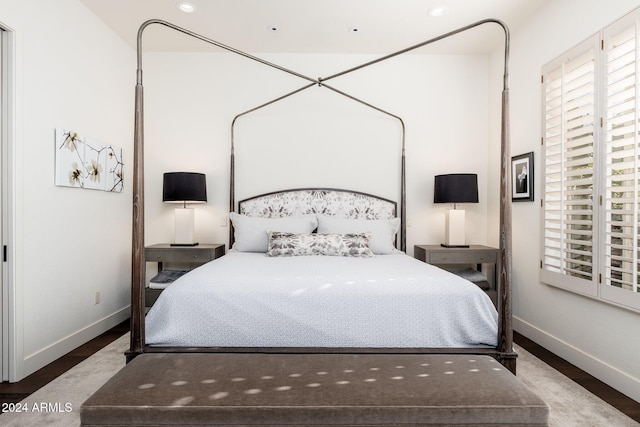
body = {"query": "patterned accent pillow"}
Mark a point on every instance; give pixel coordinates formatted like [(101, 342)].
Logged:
[(291, 244)]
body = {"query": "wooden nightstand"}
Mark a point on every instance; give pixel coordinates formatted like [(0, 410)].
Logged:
[(449, 258), (192, 255)]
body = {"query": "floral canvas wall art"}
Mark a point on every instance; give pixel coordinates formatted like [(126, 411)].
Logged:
[(83, 162)]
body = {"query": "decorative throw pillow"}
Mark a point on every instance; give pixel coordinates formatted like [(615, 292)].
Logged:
[(383, 231), (291, 244), (250, 233)]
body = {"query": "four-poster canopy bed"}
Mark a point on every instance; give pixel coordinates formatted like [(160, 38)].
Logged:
[(349, 218)]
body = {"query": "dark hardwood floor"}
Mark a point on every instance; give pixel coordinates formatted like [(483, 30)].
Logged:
[(14, 392)]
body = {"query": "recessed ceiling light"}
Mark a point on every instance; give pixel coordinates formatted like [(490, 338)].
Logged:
[(186, 7), (438, 11)]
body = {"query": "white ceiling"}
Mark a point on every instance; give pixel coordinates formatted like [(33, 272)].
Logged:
[(315, 26)]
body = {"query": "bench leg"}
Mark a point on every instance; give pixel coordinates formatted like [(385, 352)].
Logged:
[(130, 355)]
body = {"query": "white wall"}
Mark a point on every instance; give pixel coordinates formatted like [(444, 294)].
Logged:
[(191, 99), (599, 338), (71, 71)]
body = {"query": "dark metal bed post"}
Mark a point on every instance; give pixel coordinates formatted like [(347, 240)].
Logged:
[(232, 189), (403, 198), (137, 338), (505, 325)]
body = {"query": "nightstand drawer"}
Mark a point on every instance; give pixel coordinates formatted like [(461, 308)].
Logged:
[(462, 257), (178, 255)]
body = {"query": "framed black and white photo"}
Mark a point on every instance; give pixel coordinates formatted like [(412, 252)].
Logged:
[(522, 178)]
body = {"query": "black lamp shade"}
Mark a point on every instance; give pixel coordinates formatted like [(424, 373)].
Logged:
[(456, 188), (184, 187)]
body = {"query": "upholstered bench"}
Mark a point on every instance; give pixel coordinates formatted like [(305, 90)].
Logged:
[(313, 390)]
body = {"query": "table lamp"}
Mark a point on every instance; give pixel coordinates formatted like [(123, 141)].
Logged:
[(184, 187), (455, 188)]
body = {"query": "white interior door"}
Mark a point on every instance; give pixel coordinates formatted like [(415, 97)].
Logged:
[(6, 132), (3, 299)]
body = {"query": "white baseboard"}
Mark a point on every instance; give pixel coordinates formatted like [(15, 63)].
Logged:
[(41, 358), (606, 373)]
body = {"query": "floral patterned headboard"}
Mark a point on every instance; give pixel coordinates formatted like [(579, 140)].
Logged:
[(326, 201)]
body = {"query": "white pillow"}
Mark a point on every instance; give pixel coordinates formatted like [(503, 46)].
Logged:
[(250, 233), (383, 231)]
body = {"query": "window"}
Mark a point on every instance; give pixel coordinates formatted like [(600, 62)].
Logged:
[(591, 164)]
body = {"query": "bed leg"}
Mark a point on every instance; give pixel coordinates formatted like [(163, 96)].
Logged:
[(508, 360)]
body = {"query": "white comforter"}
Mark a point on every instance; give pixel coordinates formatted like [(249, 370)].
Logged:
[(251, 300)]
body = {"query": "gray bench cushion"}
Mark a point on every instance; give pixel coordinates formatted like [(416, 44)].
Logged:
[(313, 390)]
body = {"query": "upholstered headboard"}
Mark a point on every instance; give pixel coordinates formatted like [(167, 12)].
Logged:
[(326, 201)]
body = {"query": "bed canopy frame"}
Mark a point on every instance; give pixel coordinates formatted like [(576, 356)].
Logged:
[(504, 349), (321, 83)]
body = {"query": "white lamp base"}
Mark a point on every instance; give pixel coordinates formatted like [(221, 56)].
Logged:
[(455, 229), (184, 227)]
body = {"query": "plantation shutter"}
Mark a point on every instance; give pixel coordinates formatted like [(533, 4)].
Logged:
[(621, 150), (569, 128), (591, 166)]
